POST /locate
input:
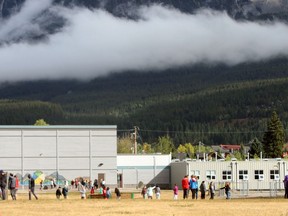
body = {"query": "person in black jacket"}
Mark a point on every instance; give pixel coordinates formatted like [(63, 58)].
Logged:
[(227, 190), (12, 186), (31, 187), (3, 183), (58, 193), (117, 192)]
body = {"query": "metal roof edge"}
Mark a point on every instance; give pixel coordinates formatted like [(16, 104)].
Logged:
[(58, 127)]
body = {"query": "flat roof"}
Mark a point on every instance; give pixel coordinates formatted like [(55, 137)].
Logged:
[(58, 127)]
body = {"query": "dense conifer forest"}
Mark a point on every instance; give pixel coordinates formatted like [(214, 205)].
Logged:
[(210, 103)]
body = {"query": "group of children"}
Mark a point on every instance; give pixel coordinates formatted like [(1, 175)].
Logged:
[(147, 193), (63, 191)]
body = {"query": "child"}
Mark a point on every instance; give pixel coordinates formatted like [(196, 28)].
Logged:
[(104, 192), (175, 191), (58, 193), (150, 192), (65, 191), (101, 190), (108, 193), (118, 194), (157, 192), (144, 192), (82, 190), (92, 190)]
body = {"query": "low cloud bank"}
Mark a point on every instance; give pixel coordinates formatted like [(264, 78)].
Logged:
[(96, 43)]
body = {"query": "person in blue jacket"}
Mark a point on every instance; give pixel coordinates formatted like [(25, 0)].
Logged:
[(194, 186)]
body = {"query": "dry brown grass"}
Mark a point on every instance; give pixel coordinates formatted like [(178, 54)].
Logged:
[(49, 205)]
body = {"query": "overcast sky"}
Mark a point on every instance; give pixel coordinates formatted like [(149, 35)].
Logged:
[(96, 43)]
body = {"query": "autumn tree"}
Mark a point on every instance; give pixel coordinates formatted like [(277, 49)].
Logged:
[(165, 145), (41, 122), (124, 145)]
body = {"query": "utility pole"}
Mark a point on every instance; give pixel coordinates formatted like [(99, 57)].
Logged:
[(135, 139)]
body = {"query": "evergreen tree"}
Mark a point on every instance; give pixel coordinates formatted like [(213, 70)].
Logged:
[(242, 152), (256, 148), (274, 137)]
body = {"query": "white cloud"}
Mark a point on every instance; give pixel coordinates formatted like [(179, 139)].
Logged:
[(97, 43), (21, 23)]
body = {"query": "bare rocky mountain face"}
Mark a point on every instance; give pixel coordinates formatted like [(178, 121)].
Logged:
[(48, 22), (244, 9)]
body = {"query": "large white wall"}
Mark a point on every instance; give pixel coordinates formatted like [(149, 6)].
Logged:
[(148, 169), (72, 151)]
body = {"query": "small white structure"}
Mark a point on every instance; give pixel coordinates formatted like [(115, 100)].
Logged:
[(69, 151), (135, 170)]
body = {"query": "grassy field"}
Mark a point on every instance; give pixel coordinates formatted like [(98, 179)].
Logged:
[(49, 205)]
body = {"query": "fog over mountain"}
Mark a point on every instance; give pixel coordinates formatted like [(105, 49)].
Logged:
[(87, 43)]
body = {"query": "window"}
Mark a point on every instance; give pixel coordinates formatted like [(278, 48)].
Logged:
[(196, 173), (243, 174), (210, 174), (259, 174), (274, 174), (226, 175)]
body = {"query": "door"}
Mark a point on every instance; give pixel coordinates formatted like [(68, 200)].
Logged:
[(101, 177), (119, 180)]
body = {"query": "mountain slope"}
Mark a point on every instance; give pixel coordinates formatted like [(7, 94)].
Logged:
[(200, 102)]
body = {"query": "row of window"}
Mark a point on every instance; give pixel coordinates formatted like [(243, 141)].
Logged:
[(243, 174)]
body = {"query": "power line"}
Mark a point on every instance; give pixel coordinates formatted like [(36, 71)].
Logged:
[(196, 132)]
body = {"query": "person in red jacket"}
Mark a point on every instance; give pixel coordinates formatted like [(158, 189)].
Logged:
[(185, 187)]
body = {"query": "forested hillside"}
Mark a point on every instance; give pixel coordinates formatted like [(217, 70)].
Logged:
[(214, 104)]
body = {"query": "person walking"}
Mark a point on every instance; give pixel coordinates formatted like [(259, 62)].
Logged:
[(150, 192), (82, 189), (117, 192), (65, 191), (203, 190), (158, 192), (212, 189), (12, 186), (3, 183), (227, 190), (95, 184), (285, 181), (144, 192), (31, 186), (58, 193), (41, 185), (175, 192), (185, 186), (16, 185)]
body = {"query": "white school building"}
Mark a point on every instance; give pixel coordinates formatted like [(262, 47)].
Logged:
[(66, 151), (69, 152)]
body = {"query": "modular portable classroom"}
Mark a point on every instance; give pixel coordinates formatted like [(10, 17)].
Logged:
[(255, 174)]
